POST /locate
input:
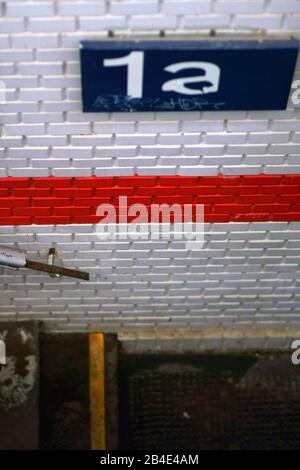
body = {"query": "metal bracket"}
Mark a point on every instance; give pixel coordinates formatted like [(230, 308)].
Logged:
[(51, 261), (15, 259)]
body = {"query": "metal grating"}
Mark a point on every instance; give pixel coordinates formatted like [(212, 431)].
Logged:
[(211, 402)]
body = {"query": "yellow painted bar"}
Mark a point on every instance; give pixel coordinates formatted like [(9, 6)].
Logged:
[(97, 390)]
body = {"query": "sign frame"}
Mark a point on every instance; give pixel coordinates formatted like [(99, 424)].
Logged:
[(187, 75)]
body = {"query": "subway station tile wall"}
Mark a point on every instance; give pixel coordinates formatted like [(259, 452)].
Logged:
[(57, 164)]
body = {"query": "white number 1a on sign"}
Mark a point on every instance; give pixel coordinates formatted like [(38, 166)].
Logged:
[(209, 82)]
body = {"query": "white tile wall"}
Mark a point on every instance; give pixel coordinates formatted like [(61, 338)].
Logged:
[(246, 272)]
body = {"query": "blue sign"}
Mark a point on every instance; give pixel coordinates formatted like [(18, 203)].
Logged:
[(175, 75)]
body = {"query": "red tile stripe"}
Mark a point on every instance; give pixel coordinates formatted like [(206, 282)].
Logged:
[(58, 200)]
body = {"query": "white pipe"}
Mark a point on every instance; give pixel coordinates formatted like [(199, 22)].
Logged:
[(12, 257)]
